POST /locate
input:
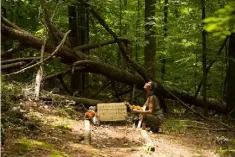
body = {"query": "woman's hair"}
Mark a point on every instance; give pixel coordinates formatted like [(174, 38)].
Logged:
[(153, 90)]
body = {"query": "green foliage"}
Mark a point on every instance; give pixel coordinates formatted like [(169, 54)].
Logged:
[(223, 24)]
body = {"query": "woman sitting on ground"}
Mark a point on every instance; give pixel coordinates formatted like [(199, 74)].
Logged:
[(153, 115)]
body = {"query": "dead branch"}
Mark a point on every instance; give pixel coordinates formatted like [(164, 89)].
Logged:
[(18, 48), (12, 65), (205, 128), (49, 57), (78, 100), (56, 8), (191, 121), (30, 63), (211, 64), (19, 59), (53, 30), (39, 76), (97, 45), (67, 71), (200, 115), (101, 89)]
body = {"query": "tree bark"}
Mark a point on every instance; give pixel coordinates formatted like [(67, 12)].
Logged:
[(150, 38), (35, 42), (163, 69), (204, 94), (230, 90)]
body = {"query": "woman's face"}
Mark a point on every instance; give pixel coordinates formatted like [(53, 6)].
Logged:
[(147, 86)]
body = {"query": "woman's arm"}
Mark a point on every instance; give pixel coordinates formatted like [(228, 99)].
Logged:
[(150, 110)]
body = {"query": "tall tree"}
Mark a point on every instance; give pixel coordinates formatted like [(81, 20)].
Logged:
[(150, 38), (163, 69), (203, 8), (230, 89), (78, 23)]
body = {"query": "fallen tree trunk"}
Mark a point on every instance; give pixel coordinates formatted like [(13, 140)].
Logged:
[(36, 43), (78, 100), (122, 76)]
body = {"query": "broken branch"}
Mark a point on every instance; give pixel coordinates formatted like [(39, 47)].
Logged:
[(19, 59), (51, 55), (13, 50)]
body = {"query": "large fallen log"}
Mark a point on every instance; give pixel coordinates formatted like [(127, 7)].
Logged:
[(122, 76), (36, 43)]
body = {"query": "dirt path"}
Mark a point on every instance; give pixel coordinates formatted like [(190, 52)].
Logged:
[(59, 133)]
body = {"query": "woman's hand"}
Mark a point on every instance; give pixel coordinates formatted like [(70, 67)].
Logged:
[(135, 110)]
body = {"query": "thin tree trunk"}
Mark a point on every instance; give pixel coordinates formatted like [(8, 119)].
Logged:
[(78, 21), (204, 59), (150, 38), (137, 32), (163, 69)]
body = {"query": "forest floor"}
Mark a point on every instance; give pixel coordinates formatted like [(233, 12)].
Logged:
[(50, 131)]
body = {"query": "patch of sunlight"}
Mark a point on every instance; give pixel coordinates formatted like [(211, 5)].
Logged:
[(179, 110), (35, 115), (51, 119), (33, 144), (226, 153), (174, 125), (185, 10), (187, 43), (87, 148), (59, 121), (56, 155), (59, 154), (64, 127)]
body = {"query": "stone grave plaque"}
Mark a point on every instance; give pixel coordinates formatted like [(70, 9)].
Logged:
[(112, 111)]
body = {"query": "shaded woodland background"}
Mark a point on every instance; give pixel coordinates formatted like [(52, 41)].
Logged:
[(113, 47)]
